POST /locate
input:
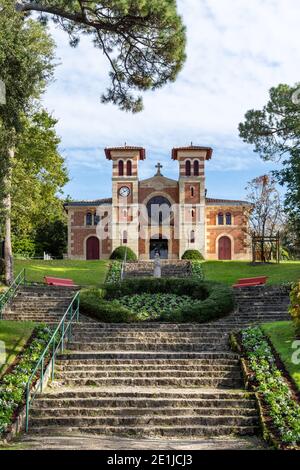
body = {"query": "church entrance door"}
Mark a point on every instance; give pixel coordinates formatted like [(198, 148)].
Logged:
[(159, 246), (224, 248), (92, 248)]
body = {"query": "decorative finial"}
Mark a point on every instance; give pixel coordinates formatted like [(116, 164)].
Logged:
[(125, 145), (158, 166), (191, 144)]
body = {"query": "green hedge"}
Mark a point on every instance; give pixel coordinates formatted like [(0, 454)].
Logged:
[(119, 254), (211, 300), (192, 255)]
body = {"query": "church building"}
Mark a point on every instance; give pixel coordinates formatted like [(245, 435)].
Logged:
[(159, 214)]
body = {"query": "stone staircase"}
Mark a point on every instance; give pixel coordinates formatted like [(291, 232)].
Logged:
[(169, 268), (39, 304), (148, 381), (155, 380), (262, 303)]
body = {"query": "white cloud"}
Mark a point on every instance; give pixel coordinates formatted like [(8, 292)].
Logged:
[(236, 51)]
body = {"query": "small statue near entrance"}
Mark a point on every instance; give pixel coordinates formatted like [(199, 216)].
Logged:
[(157, 265)]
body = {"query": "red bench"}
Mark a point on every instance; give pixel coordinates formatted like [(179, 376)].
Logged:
[(55, 281), (251, 281)]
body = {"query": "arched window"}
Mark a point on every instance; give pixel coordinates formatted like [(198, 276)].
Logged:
[(158, 208), (89, 219), (192, 236), (187, 168), (121, 168), (193, 212), (96, 219), (228, 218), (124, 213), (125, 237), (220, 218), (192, 191), (129, 168), (196, 168)]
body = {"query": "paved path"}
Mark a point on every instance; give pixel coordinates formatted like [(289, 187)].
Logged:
[(100, 443)]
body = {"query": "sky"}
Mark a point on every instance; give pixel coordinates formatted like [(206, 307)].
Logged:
[(236, 51)]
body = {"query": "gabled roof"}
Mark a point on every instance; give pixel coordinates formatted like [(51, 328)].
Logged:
[(191, 148), (141, 151)]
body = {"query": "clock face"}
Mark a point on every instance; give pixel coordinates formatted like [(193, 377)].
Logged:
[(124, 191)]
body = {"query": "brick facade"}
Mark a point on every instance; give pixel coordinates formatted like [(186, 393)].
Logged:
[(195, 221)]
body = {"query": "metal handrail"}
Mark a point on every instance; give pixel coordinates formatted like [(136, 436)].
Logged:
[(8, 295), (57, 342)]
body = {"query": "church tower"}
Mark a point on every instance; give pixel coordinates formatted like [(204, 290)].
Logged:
[(192, 196), (124, 217)]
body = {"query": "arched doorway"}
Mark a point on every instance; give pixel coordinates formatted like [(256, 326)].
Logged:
[(158, 245), (224, 248), (92, 248)]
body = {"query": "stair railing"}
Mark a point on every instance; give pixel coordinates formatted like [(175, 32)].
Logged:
[(47, 360), (10, 292)]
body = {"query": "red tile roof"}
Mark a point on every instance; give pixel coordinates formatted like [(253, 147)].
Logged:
[(226, 201), (141, 150), (209, 151)]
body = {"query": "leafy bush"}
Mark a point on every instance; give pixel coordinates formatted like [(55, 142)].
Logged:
[(197, 270), (152, 306), (12, 385), (23, 247), (114, 273), (294, 308), (283, 409), (119, 254), (192, 255)]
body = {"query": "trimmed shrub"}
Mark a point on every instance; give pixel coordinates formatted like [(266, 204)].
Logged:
[(191, 287), (211, 300), (93, 304), (294, 308), (192, 255), (119, 254)]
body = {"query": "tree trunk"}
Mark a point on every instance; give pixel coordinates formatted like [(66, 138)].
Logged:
[(7, 207)]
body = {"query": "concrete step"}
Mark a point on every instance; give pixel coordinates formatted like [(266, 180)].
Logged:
[(144, 420), (138, 355), (151, 431), (159, 347), (139, 411), (214, 382)]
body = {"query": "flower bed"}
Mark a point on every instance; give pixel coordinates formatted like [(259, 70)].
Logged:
[(12, 385), (114, 273), (282, 408), (190, 300), (152, 306)]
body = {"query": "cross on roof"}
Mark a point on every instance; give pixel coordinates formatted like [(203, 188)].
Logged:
[(158, 166)]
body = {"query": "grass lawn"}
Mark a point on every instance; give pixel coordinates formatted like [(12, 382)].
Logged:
[(282, 336), (83, 273), (230, 271), (14, 335), (92, 273)]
